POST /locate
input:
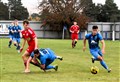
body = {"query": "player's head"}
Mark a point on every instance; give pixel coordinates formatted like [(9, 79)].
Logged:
[(36, 53), (75, 23), (25, 24), (16, 22), (94, 30)]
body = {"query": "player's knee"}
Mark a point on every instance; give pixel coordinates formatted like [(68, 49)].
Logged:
[(15, 44), (76, 40), (100, 58), (22, 56)]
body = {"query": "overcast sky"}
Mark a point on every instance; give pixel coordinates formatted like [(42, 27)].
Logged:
[(32, 4)]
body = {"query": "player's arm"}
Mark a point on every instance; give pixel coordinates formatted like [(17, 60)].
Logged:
[(78, 29), (36, 43), (19, 29), (42, 66), (71, 30), (24, 42), (84, 44), (102, 42), (43, 61), (103, 46)]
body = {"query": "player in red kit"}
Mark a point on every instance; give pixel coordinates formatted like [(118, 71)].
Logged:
[(74, 29), (29, 36)]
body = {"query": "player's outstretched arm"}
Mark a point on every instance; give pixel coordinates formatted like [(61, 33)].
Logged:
[(103, 46), (84, 44)]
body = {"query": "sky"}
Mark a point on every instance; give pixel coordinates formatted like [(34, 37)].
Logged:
[(31, 5)]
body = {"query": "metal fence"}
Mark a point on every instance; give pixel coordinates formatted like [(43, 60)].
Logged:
[(109, 30)]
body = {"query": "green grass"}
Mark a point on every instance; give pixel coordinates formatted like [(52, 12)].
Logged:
[(74, 68)]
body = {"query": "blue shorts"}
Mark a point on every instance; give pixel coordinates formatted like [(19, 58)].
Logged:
[(16, 40), (96, 52), (48, 62), (52, 57), (11, 36)]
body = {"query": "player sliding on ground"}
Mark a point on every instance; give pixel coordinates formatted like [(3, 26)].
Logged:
[(74, 29), (93, 40), (46, 57)]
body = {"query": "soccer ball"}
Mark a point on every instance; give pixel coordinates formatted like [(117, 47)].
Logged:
[(94, 69)]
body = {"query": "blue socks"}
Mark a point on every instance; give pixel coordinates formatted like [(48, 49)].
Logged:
[(104, 64), (50, 67)]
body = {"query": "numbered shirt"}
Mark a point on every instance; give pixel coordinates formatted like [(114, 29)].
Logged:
[(46, 55), (94, 40), (28, 35)]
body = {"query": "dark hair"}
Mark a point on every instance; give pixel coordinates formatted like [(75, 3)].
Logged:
[(25, 21), (36, 51), (95, 27)]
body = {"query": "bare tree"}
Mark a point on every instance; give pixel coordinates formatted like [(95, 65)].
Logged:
[(57, 13)]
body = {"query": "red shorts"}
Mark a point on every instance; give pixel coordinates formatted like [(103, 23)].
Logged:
[(74, 36), (30, 49)]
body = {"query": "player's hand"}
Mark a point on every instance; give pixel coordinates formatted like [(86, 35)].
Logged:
[(12, 31), (77, 32), (103, 51), (27, 71), (21, 49), (84, 48), (72, 31)]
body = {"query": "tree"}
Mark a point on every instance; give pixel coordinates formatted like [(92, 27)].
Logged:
[(34, 17), (3, 11), (102, 13), (111, 11), (88, 10), (57, 13), (17, 11)]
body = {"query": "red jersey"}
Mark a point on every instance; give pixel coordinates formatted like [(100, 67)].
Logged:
[(29, 35), (75, 29)]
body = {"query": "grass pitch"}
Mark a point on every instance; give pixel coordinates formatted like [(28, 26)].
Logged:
[(74, 68)]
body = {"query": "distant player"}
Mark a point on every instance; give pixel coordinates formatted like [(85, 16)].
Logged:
[(17, 37), (93, 40), (10, 28), (46, 57), (29, 36), (74, 29)]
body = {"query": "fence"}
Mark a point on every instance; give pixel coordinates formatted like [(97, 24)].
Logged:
[(109, 31)]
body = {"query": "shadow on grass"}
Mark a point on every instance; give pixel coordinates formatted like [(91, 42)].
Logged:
[(32, 72)]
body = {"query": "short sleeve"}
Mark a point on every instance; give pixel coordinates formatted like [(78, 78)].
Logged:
[(71, 28), (32, 54), (19, 27), (42, 60), (32, 33), (87, 36), (100, 37)]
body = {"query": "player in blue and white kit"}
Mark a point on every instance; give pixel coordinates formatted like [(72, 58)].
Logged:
[(46, 57), (10, 28), (16, 39), (93, 41)]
